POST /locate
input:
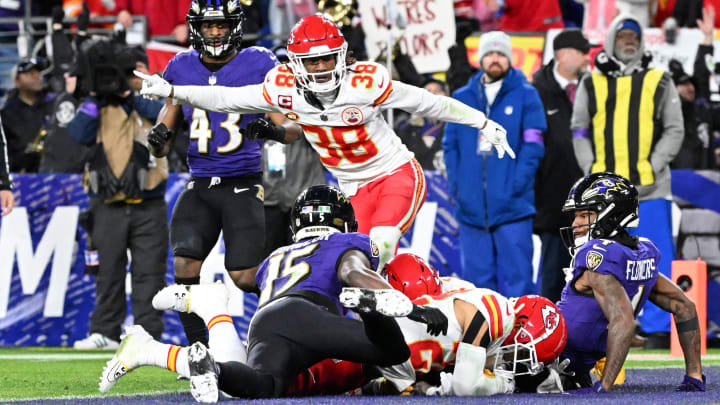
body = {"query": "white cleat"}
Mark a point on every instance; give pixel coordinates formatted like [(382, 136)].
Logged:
[(385, 301), (203, 375), (205, 300), (129, 355), (173, 297), (96, 341)]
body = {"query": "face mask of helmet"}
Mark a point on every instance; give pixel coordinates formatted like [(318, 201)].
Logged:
[(317, 37), (227, 12)]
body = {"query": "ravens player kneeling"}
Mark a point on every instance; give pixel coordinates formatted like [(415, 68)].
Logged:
[(612, 276)]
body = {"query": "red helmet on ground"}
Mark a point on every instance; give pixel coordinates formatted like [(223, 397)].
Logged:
[(538, 338), (413, 276), (315, 36)]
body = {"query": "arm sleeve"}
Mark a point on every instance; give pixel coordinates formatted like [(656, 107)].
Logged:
[(416, 100), (469, 378), (673, 132), (580, 124), (532, 148), (5, 178), (84, 126), (451, 155), (245, 99)]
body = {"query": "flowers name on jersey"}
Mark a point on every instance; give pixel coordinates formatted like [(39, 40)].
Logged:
[(593, 259)]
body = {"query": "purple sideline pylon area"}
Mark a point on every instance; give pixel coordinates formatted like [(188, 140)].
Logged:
[(644, 386)]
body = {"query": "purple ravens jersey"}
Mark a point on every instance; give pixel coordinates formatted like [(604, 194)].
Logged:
[(310, 264), (637, 271), (217, 147)]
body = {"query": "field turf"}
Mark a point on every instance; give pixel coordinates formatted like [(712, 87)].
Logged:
[(56, 375)]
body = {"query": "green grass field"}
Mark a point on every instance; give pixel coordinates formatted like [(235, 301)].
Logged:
[(36, 373)]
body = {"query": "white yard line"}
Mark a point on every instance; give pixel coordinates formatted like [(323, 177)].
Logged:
[(667, 357)]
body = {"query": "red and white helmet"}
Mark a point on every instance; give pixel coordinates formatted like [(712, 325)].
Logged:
[(538, 338), (315, 36), (413, 276)]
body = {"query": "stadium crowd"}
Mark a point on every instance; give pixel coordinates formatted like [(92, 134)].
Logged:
[(598, 121)]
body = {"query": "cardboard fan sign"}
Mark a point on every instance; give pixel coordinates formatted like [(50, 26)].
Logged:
[(428, 33)]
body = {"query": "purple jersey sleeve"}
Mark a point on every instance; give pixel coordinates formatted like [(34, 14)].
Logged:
[(310, 265)]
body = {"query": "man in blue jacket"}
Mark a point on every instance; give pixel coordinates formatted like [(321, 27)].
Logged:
[(495, 197)]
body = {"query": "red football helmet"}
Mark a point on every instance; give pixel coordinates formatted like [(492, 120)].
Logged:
[(315, 36), (413, 276), (538, 338)]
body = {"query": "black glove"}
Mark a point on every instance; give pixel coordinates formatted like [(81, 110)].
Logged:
[(436, 321), (83, 20), (158, 136), (57, 15), (264, 129)]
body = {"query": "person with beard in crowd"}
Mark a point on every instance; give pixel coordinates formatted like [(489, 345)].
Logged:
[(495, 197), (627, 119), (556, 83)]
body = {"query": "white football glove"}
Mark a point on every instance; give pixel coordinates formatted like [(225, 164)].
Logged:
[(445, 387), (497, 136), (553, 383), (154, 85)]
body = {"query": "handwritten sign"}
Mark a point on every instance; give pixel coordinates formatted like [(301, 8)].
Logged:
[(429, 33)]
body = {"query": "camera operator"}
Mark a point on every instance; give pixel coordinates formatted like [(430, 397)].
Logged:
[(127, 189)]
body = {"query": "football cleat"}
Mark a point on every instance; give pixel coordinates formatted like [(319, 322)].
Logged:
[(203, 375), (96, 341), (385, 301), (205, 300), (133, 349)]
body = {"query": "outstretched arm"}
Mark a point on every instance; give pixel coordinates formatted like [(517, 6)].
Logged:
[(616, 306), (416, 100), (245, 99), (668, 296)]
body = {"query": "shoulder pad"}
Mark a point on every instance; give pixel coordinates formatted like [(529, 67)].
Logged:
[(592, 254), (279, 80), (369, 80)]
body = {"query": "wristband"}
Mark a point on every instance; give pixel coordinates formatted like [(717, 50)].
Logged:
[(278, 134), (687, 326)]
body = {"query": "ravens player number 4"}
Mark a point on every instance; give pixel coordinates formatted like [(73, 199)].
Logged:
[(611, 277)]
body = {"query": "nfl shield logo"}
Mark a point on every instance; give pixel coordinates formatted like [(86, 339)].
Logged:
[(593, 260)]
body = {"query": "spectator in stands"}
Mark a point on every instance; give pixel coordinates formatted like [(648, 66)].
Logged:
[(696, 151), (541, 16), (423, 136), (127, 193), (598, 14), (164, 17), (6, 196), (60, 153), (627, 119), (495, 196), (25, 114), (556, 83)]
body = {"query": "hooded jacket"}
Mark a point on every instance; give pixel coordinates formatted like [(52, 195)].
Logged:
[(491, 191), (668, 115)]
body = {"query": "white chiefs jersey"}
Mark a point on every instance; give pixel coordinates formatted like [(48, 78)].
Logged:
[(450, 283), (435, 353), (350, 134)]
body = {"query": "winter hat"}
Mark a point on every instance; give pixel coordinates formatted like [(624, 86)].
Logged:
[(631, 25), (495, 41)]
